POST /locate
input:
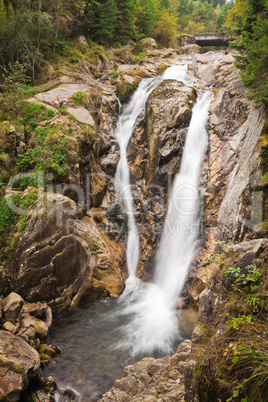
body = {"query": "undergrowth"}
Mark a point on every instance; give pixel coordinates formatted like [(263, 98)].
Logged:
[(9, 219), (233, 361)]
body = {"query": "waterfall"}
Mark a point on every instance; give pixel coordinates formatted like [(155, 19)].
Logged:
[(177, 245), (125, 126), (154, 324)]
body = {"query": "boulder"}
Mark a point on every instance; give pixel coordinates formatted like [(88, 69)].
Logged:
[(83, 40), (12, 306), (144, 44), (28, 322), (8, 326), (62, 94), (188, 49), (19, 365), (196, 288), (81, 114), (53, 258), (205, 305)]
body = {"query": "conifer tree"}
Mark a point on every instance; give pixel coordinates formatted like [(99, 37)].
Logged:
[(125, 26), (100, 20)]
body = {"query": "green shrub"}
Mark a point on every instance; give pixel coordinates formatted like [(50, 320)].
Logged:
[(48, 151), (9, 219)]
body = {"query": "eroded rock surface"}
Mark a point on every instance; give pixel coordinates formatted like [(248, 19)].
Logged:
[(153, 379), (19, 364), (56, 255)]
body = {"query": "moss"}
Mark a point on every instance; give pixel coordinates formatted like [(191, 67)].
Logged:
[(17, 367), (124, 90), (9, 219)]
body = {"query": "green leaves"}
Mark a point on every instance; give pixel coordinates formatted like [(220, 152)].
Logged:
[(248, 22)]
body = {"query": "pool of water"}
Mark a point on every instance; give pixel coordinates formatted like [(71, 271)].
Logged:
[(90, 338)]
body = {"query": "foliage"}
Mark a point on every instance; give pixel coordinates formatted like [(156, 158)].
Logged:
[(248, 23), (9, 218), (165, 29), (13, 86), (79, 98), (237, 278), (100, 20), (238, 322), (48, 151)]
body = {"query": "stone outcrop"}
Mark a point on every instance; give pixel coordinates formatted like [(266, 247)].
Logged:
[(19, 365), (57, 255), (169, 110), (154, 155), (23, 352), (153, 379), (144, 44), (12, 305), (235, 127), (188, 49), (150, 63)]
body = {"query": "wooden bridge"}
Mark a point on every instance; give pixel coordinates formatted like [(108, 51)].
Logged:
[(211, 38)]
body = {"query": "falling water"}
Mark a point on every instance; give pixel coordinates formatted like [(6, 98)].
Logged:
[(124, 130), (154, 324)]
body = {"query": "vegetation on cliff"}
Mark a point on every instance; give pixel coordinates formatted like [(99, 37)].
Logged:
[(248, 23), (232, 347)]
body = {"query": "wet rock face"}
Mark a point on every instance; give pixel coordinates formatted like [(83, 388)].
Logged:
[(154, 155), (169, 110), (234, 129), (19, 364)]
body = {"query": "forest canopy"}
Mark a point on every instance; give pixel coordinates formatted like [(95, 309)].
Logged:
[(32, 31)]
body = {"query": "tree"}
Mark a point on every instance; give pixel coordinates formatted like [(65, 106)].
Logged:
[(165, 29), (125, 26), (100, 20), (248, 22), (7, 4)]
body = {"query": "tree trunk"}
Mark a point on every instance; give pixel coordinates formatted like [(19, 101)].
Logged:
[(57, 26), (39, 25)]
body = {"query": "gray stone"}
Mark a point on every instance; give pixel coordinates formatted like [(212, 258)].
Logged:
[(62, 94), (12, 306), (188, 49), (81, 114), (205, 305)]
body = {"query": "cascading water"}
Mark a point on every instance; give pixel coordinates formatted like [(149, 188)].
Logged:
[(154, 324), (124, 131)]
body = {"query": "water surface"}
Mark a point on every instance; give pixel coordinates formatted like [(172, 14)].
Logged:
[(90, 337)]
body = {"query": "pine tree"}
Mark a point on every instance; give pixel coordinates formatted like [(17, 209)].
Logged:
[(100, 20), (125, 25)]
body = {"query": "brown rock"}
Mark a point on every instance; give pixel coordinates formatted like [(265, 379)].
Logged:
[(8, 326), (12, 306), (19, 364)]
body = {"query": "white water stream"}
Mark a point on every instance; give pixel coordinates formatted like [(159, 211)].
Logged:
[(154, 324), (124, 131)]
